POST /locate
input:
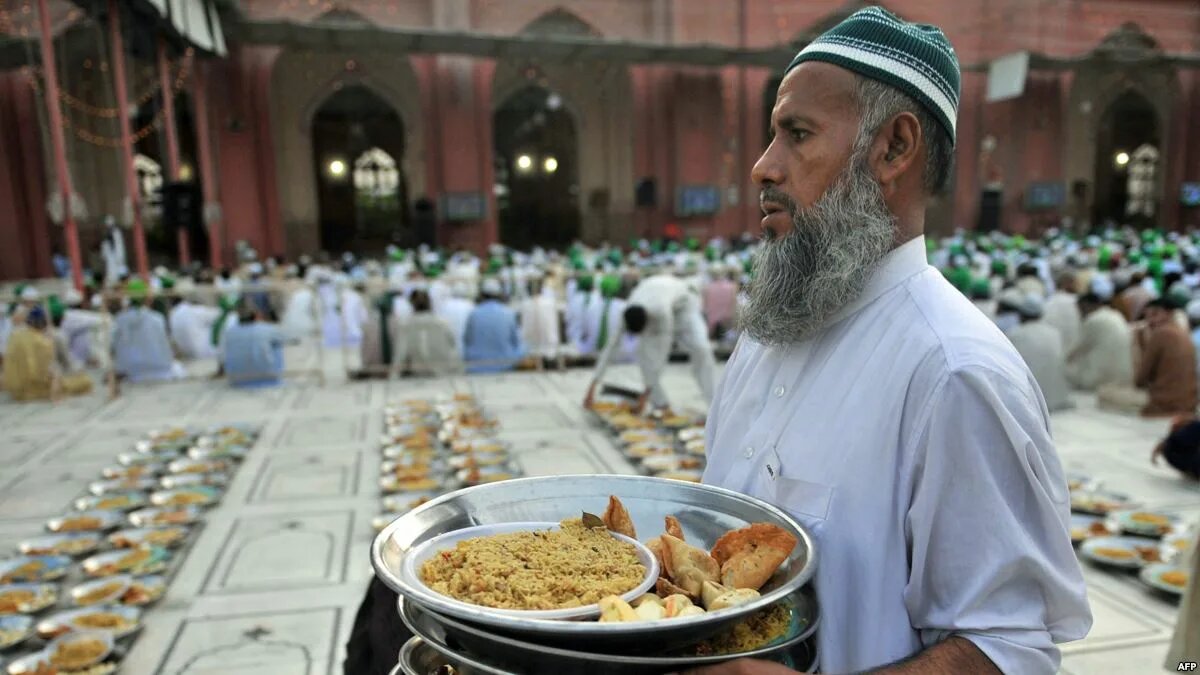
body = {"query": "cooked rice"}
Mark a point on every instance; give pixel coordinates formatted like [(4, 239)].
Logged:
[(540, 570), (754, 633)]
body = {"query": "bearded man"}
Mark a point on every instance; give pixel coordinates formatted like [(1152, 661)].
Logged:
[(873, 402)]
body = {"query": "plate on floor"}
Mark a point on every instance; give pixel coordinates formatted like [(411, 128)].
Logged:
[(491, 474), (144, 560), (1085, 527), (199, 495), (186, 480), (67, 543), (112, 501), (660, 463), (464, 461), (33, 568), (27, 598), (104, 487), (114, 619), (103, 591), (200, 466), (1125, 552), (14, 629), (138, 459), (1166, 577), (86, 521), (159, 516), (1099, 502), (148, 469), (235, 452), (1145, 523), (167, 537)]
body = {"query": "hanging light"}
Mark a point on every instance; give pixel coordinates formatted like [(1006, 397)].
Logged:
[(185, 172), (550, 164), (1121, 158), (337, 168), (524, 163)]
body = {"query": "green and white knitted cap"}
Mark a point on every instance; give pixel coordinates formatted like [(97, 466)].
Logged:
[(915, 58)]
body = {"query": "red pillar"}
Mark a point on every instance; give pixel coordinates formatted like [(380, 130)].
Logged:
[(208, 177), (59, 142), (168, 102), (131, 186)]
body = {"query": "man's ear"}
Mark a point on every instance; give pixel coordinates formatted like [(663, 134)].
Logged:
[(896, 149)]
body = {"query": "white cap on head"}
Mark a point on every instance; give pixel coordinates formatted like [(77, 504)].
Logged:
[(1031, 306), (72, 297), (30, 293), (491, 287), (1103, 287), (1193, 310)]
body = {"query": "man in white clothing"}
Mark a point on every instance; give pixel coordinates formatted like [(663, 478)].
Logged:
[(1041, 346), (661, 310), (538, 314), (1062, 310), (456, 309), (1104, 353), (576, 314), (191, 329), (870, 400)]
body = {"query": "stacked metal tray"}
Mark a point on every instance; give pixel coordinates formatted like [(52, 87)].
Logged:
[(484, 642)]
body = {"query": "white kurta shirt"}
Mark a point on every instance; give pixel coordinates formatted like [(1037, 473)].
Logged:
[(914, 444)]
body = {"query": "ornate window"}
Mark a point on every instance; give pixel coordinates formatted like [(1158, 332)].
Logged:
[(375, 174)]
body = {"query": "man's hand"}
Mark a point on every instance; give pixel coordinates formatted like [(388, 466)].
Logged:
[(743, 667), (640, 406), (590, 399), (1156, 454)]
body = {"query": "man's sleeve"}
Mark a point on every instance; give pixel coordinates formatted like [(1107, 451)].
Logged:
[(989, 545), (1148, 361), (654, 350)]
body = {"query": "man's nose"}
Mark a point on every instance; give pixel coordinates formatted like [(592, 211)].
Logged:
[(768, 170)]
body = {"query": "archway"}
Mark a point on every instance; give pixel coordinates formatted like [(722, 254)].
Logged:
[(362, 195), (537, 170), (1128, 123)]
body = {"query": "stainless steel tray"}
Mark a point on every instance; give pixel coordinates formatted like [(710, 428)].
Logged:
[(418, 657), (519, 656), (705, 512)]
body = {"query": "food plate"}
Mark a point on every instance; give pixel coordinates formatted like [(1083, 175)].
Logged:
[(409, 455), (33, 568), (104, 591), (14, 629), (112, 501), (649, 449), (1085, 527), (690, 434), (101, 643), (417, 468), (464, 461), (705, 512), (28, 665), (417, 657), (145, 560), (198, 495), (480, 446), (27, 598), (166, 537), (199, 466), (480, 476), (1077, 481), (138, 459), (513, 655), (96, 520), (1098, 502), (1153, 576), (67, 543), (115, 619), (1145, 523), (156, 516), (411, 573), (133, 471), (660, 463), (1126, 552), (104, 487), (237, 452), (187, 480)]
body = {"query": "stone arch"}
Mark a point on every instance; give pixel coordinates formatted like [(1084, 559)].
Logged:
[(301, 80), (1124, 63), (600, 98)]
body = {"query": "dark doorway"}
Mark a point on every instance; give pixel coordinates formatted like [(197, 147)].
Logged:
[(162, 239), (362, 195), (537, 170), (1127, 124)]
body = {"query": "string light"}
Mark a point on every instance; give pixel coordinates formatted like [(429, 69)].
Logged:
[(104, 112)]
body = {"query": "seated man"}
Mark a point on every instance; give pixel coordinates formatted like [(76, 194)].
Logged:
[(1040, 345), (141, 348), (492, 342), (31, 372), (1181, 447), (252, 352), (1104, 353), (424, 343)]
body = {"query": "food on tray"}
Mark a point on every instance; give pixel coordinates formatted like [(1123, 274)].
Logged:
[(627, 421), (103, 621), (749, 556), (547, 569), (1177, 578), (414, 472), (27, 600), (415, 485), (611, 406), (28, 571), (166, 536), (476, 447), (177, 517), (1096, 503), (1149, 554), (140, 593), (186, 499), (474, 476), (99, 593), (616, 518), (687, 566), (642, 436), (115, 502), (72, 546), (80, 524), (643, 450), (11, 636), (1113, 553), (1154, 521), (756, 632), (76, 654)]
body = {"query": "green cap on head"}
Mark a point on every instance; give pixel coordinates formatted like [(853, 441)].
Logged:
[(136, 289), (961, 278), (57, 309), (585, 283), (610, 286), (915, 58), (693, 244)]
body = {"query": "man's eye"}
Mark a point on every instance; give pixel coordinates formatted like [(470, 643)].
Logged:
[(798, 134)]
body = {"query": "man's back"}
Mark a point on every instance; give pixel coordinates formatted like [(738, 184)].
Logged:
[(141, 349), (455, 311), (1040, 345), (1104, 352), (253, 354), (492, 335), (1168, 370), (1062, 314)]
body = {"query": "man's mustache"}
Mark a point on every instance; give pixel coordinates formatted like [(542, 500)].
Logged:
[(776, 196)]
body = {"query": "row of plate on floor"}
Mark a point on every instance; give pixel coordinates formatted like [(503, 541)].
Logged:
[(1111, 532), (128, 530), (663, 444), (430, 448)]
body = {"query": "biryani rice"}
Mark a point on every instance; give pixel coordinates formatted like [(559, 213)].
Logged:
[(540, 570)]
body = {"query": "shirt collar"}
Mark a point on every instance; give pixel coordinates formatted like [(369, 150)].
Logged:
[(897, 266)]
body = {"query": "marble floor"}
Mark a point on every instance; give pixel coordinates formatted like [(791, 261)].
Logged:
[(272, 583)]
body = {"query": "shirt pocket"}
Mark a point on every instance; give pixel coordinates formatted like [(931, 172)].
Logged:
[(805, 500)]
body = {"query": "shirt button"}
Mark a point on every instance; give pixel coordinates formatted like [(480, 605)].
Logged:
[(779, 392), (748, 452)]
